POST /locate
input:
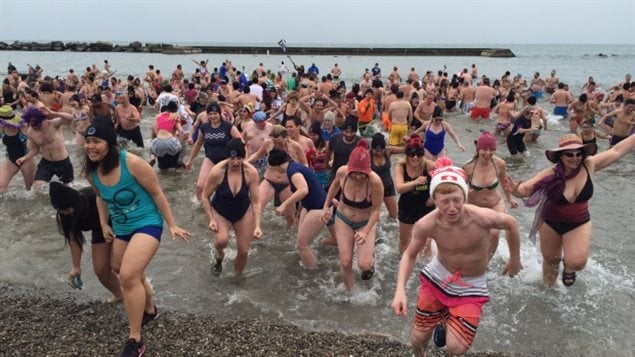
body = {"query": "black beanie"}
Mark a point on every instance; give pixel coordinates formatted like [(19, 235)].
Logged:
[(378, 141), (62, 196), (102, 131), (235, 148), (277, 157)]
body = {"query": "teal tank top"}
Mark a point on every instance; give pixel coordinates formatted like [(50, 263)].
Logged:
[(130, 206)]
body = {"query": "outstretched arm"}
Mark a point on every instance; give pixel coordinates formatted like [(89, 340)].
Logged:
[(610, 156)]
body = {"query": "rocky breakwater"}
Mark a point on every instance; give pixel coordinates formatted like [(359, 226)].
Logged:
[(99, 46), (136, 46)]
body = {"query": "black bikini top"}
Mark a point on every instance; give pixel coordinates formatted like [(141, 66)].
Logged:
[(367, 203)]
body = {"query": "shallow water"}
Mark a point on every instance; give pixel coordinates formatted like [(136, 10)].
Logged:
[(592, 318)]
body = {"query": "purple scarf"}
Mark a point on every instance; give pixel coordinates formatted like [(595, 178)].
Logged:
[(546, 192)]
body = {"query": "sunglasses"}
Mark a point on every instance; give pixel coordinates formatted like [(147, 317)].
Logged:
[(418, 153), (572, 153)]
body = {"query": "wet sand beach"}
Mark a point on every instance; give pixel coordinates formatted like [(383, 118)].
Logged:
[(37, 322)]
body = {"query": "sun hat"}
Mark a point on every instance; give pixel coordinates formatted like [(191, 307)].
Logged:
[(9, 118), (570, 142)]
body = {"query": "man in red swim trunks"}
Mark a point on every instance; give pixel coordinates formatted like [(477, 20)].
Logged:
[(453, 285), (482, 100)]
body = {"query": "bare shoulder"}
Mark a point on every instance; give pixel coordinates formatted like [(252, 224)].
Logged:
[(251, 173), (483, 216), (426, 225)]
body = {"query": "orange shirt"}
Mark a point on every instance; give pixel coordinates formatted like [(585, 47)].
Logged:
[(366, 111)]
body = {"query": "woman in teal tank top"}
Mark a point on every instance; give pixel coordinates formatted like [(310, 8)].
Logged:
[(128, 192)]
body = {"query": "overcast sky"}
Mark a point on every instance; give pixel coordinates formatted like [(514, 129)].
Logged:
[(413, 22)]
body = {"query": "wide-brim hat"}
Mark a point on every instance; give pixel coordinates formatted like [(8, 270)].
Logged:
[(570, 142), (8, 117)]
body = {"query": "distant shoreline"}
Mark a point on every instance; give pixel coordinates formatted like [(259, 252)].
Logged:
[(138, 47)]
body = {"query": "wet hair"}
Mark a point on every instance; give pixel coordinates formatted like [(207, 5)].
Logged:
[(531, 100), (70, 226), (583, 98), (511, 96), (394, 89), (400, 94)]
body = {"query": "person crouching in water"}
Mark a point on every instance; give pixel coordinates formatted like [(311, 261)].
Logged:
[(236, 204), (166, 147), (453, 285), (77, 212)]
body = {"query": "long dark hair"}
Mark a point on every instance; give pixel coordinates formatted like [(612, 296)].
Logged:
[(70, 226), (108, 163)]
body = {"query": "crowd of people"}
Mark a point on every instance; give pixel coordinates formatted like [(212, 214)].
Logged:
[(321, 149)]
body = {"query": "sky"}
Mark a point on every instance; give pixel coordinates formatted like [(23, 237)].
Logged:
[(339, 22)]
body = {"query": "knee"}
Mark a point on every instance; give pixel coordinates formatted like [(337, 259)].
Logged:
[(102, 272), (456, 348), (366, 264), (221, 241), (129, 279), (575, 264), (552, 259), (346, 264)]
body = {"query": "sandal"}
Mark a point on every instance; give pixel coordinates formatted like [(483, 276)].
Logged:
[(568, 279), (75, 281)]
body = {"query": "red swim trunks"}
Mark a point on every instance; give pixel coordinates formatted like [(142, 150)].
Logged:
[(480, 113)]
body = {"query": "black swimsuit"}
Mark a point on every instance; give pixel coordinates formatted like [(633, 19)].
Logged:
[(412, 204), (384, 173), (16, 146), (229, 205)]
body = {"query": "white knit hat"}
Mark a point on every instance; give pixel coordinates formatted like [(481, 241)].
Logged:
[(450, 174)]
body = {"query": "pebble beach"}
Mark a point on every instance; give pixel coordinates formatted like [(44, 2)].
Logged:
[(37, 322)]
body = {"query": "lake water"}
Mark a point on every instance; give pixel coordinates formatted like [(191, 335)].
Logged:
[(593, 318)]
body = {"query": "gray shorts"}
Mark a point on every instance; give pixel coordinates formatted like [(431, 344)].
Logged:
[(170, 146)]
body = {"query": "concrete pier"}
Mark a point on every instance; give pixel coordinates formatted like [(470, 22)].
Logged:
[(136, 46)]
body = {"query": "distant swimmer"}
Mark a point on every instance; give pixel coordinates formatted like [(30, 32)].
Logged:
[(453, 285)]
